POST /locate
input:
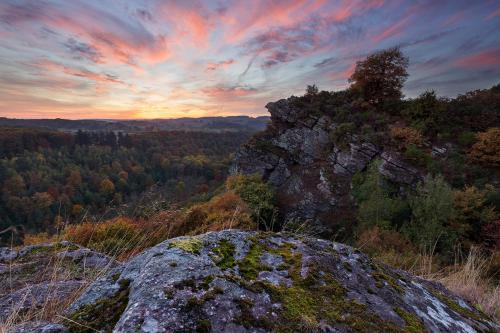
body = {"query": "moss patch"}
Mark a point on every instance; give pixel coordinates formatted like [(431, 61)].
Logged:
[(380, 276), (311, 300), (102, 315), (192, 245), (250, 266), (204, 326), (459, 309), (224, 254), (413, 323)]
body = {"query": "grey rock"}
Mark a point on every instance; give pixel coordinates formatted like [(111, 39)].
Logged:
[(87, 258), (313, 175), (38, 327), (397, 171), (277, 282), (35, 296)]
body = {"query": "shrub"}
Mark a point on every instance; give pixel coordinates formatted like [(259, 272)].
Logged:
[(112, 237), (225, 211), (417, 156), (466, 138), (472, 214), (404, 136), (486, 149), (388, 246), (432, 208), (425, 112), (377, 206), (259, 196)]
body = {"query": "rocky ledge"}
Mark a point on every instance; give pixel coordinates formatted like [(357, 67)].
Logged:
[(313, 175), (234, 281)]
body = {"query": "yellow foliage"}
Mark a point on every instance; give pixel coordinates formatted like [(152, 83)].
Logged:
[(486, 149), (404, 136)]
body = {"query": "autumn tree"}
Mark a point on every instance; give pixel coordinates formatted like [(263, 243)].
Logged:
[(381, 76), (485, 150)]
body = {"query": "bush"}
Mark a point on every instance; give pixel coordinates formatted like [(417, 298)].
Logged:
[(472, 214), (389, 246), (417, 156), (432, 208), (404, 136), (425, 112), (378, 207), (259, 196), (225, 211), (486, 149), (112, 237)]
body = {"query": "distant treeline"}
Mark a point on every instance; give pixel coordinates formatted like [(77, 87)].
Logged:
[(48, 177)]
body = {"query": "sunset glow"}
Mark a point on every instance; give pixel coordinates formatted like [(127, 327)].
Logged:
[(166, 59)]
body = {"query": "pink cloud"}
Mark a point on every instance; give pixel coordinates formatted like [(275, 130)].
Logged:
[(490, 57), (212, 66), (391, 31), (191, 21), (343, 75), (225, 92), (114, 39), (455, 18), (245, 17), (494, 14), (348, 9), (81, 73)]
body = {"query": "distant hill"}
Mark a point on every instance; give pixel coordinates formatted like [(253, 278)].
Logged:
[(205, 124)]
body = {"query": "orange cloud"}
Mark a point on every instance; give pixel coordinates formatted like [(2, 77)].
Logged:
[(490, 57), (245, 17), (191, 21)]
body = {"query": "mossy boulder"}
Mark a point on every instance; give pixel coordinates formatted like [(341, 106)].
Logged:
[(32, 277), (235, 281)]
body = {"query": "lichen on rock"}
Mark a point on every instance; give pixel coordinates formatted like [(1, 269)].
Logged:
[(265, 282)]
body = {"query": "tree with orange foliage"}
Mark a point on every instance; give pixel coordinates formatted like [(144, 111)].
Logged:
[(486, 149)]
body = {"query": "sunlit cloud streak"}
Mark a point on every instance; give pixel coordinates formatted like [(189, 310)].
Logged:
[(174, 58)]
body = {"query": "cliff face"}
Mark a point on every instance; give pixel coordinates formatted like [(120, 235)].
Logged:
[(312, 174), (234, 281)]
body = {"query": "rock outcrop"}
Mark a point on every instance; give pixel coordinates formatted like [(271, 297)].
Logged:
[(312, 174), (235, 281), (33, 276)]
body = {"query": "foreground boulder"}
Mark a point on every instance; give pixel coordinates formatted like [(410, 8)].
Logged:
[(47, 275), (235, 281)]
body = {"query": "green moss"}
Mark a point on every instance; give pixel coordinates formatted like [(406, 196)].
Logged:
[(413, 323), (347, 266), (250, 266), (206, 282), (192, 245), (203, 326), (169, 292), (380, 276), (187, 283), (459, 309), (311, 300), (193, 303), (102, 315), (224, 254)]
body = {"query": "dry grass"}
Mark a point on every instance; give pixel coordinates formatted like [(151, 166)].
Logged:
[(122, 238), (468, 278), (468, 281)]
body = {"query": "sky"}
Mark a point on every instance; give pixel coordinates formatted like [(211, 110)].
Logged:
[(122, 59)]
